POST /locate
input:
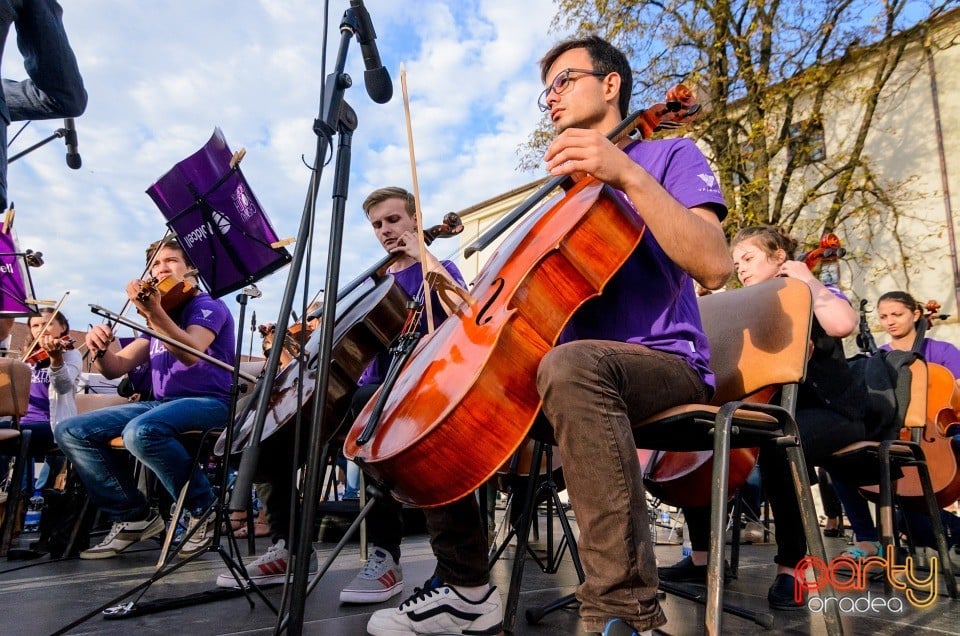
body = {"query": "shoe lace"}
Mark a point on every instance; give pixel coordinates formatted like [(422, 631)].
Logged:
[(115, 529), (419, 593), (372, 566)]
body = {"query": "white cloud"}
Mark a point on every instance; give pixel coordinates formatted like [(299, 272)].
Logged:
[(162, 76)]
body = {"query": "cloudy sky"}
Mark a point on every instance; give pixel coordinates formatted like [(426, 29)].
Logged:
[(161, 76)]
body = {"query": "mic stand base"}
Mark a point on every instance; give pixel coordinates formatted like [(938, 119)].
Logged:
[(374, 494)]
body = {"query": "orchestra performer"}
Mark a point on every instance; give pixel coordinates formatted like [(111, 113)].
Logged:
[(189, 394), (391, 212), (637, 349), (899, 314), (829, 414)]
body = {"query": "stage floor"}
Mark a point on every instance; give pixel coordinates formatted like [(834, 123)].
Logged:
[(42, 596)]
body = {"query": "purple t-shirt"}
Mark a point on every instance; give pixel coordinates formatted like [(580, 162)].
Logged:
[(39, 409), (171, 378), (938, 352), (410, 280), (651, 301)]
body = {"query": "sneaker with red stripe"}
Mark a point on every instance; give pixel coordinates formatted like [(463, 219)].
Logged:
[(269, 569), (379, 580)]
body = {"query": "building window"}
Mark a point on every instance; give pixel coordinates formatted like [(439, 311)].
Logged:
[(806, 142)]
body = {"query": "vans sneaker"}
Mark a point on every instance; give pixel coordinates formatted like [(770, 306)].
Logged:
[(200, 539), (437, 608), (124, 534), (268, 569), (379, 580)]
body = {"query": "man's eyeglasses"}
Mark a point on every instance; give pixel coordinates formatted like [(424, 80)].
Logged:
[(562, 81)]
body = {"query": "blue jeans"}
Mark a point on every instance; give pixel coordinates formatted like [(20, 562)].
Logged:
[(149, 431)]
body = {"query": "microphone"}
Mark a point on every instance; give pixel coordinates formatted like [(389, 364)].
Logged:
[(376, 77), (70, 139)]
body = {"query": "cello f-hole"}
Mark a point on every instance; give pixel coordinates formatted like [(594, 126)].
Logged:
[(480, 320)]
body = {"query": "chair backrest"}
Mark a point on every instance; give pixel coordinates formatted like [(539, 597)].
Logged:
[(759, 336), (14, 387), (916, 415)]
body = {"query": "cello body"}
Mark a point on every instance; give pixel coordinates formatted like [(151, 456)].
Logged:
[(467, 397), (943, 409), (369, 320)]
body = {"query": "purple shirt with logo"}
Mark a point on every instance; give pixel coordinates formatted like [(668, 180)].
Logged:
[(171, 378), (39, 409), (651, 301), (410, 281), (936, 352)]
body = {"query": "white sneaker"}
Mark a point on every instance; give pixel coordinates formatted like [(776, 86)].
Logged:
[(439, 609), (269, 569), (379, 580), (124, 534), (200, 539)]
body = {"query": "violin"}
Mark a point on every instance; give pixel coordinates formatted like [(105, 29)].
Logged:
[(174, 292), (41, 357)]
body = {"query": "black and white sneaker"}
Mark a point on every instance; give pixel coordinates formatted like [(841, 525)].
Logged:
[(438, 608)]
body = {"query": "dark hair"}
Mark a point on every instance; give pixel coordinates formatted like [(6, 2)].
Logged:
[(901, 297), (45, 313), (606, 58), (768, 238), (390, 192)]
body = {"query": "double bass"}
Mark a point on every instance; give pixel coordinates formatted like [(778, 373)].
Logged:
[(467, 396)]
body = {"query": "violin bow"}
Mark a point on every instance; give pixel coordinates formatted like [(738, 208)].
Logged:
[(47, 323), (427, 302), (113, 325)]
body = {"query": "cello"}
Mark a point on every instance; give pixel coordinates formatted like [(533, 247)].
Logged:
[(467, 396), (372, 311), (942, 412)]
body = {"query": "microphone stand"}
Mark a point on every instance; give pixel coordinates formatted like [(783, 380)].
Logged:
[(336, 116), (59, 133)]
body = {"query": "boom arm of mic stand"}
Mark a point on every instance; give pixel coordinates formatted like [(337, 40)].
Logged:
[(106, 313)]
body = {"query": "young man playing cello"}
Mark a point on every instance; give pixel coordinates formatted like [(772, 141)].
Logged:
[(636, 350), (190, 394), (391, 212)]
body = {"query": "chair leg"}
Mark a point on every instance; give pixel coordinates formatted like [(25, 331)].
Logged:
[(735, 533), (934, 511), (14, 491), (718, 520), (811, 527), (523, 538)]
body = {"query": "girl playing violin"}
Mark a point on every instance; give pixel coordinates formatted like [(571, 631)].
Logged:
[(56, 367), (829, 409)]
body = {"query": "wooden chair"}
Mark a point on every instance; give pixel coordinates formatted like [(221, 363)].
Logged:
[(14, 401), (899, 456), (759, 339)]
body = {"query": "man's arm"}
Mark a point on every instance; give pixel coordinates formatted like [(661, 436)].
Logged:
[(691, 237), (55, 88)]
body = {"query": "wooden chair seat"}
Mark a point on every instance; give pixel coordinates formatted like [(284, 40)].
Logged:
[(8, 435)]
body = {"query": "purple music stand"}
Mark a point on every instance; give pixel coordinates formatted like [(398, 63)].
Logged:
[(16, 286), (218, 220)]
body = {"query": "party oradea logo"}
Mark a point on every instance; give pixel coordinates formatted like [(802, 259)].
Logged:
[(847, 574)]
